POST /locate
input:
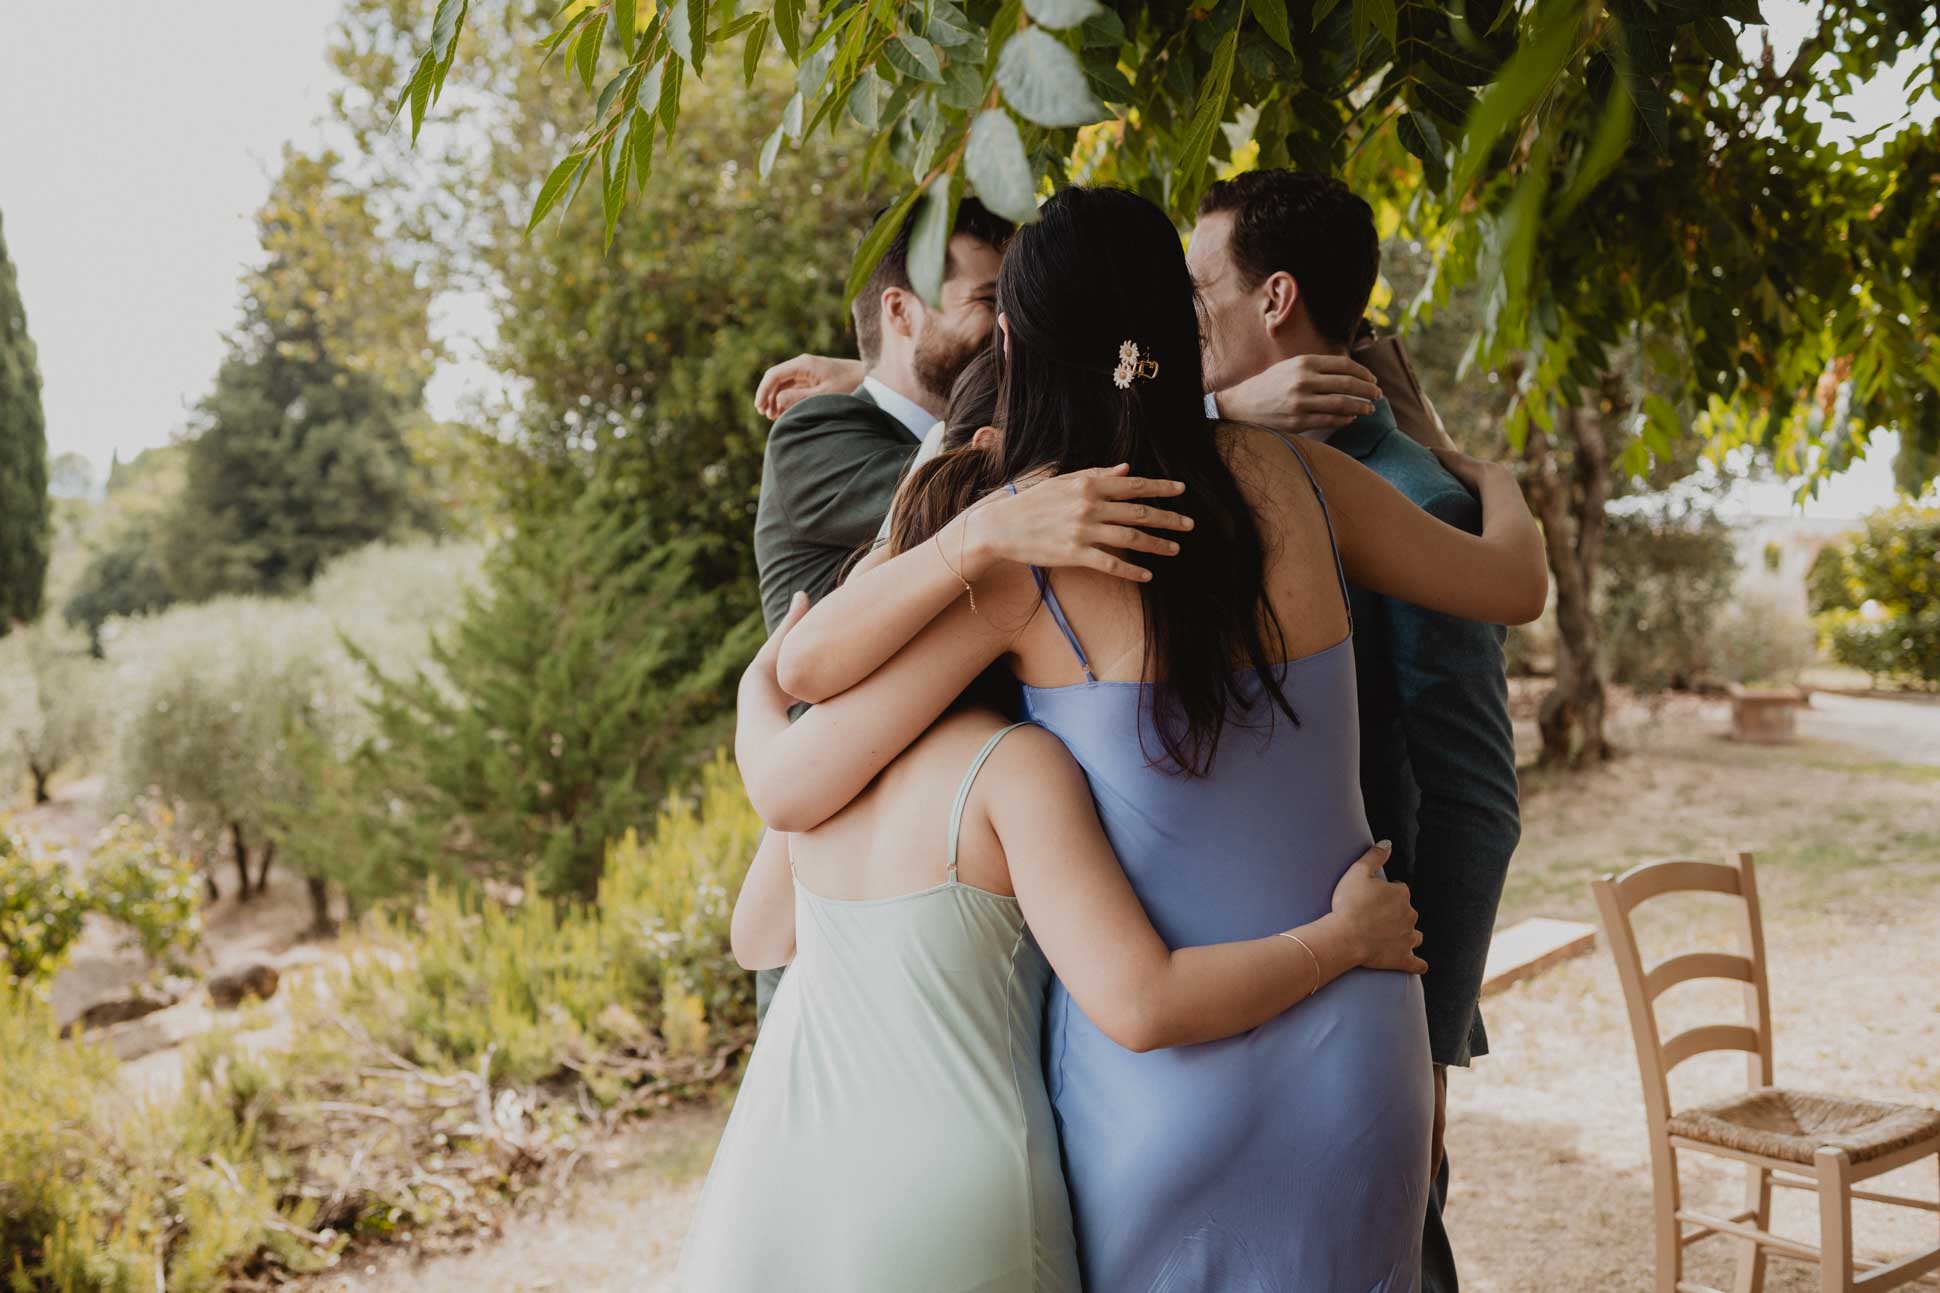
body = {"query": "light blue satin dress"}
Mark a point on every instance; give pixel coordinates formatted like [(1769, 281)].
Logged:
[(1289, 1159)]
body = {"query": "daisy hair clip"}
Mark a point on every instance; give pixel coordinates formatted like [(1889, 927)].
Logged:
[(1132, 364)]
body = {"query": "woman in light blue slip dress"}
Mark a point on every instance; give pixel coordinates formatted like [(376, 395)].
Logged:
[(1213, 710)]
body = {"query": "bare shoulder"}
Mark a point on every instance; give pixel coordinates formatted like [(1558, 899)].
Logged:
[(1031, 762), (1268, 467)]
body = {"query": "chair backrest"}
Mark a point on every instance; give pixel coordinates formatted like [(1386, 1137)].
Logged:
[(1616, 897)]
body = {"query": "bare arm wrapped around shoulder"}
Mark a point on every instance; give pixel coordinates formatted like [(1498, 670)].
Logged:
[(1098, 939), (1392, 546), (1082, 518)]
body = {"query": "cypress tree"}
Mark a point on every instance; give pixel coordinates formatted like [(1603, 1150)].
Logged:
[(24, 528)]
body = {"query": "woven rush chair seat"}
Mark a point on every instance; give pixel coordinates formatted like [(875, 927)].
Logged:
[(1793, 1125)]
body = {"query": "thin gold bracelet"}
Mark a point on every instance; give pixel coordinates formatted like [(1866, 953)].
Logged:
[(1310, 953), (953, 570)]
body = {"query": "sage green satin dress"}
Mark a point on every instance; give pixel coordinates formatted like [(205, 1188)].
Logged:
[(892, 1134)]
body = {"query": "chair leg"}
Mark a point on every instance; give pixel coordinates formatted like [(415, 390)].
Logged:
[(1835, 1220), (1751, 1257), (1665, 1202)]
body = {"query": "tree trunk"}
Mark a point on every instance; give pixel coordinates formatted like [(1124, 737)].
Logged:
[(240, 849), (262, 868), (209, 880), (1569, 501), (321, 925), (40, 775)]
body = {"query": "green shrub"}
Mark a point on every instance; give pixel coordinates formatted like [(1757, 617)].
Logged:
[(140, 880), (1668, 570), (536, 981), (100, 1194), (42, 907), (1877, 595), (1762, 638)]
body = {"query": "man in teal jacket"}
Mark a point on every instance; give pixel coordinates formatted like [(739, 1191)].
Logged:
[(1285, 262)]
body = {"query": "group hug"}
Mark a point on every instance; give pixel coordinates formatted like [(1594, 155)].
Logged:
[(1133, 742)]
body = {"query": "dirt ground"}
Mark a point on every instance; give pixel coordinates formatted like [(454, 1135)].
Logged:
[(1551, 1182)]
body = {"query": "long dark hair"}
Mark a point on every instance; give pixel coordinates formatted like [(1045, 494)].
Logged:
[(1098, 268)]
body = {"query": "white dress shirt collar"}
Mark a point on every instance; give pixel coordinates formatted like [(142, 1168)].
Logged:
[(912, 415)]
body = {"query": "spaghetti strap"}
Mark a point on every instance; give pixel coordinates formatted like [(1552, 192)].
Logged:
[(1050, 597), (963, 792), (1340, 572)]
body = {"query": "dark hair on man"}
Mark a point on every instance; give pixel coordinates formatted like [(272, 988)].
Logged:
[(973, 400), (1310, 226), (973, 218)]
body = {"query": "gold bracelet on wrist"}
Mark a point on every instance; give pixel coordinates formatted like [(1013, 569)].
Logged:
[(1310, 953), (954, 569)]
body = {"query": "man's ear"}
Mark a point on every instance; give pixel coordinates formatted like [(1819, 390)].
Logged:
[(899, 310), (1003, 332), (1279, 295)]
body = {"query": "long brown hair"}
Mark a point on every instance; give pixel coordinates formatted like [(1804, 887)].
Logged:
[(1099, 268)]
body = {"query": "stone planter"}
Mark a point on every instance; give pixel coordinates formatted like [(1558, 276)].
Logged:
[(1765, 714)]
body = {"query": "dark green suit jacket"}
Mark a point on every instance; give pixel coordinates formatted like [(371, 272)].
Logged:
[(1438, 758), (828, 477)]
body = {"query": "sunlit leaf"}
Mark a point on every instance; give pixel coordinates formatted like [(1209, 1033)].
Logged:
[(1059, 14), (1044, 82), (994, 161)]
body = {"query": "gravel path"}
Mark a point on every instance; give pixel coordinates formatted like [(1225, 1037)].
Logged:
[(1907, 731)]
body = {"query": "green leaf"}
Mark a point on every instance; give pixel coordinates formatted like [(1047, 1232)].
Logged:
[(791, 116), (1102, 29), (998, 170), (1044, 82), (586, 54), (1605, 147), (865, 99), (1378, 14), (610, 91), (420, 92), (1060, 14), (1507, 102), (788, 26), (555, 184), (929, 239), (687, 30), (1195, 147), (642, 141), (1272, 17), (914, 57), (1419, 136), (1718, 40), (445, 28), (670, 97), (944, 26), (769, 149), (962, 85), (1321, 10), (869, 254), (613, 192), (751, 52), (626, 21)]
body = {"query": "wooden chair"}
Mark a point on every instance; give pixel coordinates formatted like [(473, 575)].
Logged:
[(1787, 1138)]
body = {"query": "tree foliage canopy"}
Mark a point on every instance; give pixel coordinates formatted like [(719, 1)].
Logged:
[(1607, 166)]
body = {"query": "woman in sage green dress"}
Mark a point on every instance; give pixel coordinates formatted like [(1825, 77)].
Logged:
[(893, 1133)]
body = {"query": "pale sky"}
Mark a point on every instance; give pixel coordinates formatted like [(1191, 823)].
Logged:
[(138, 139)]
